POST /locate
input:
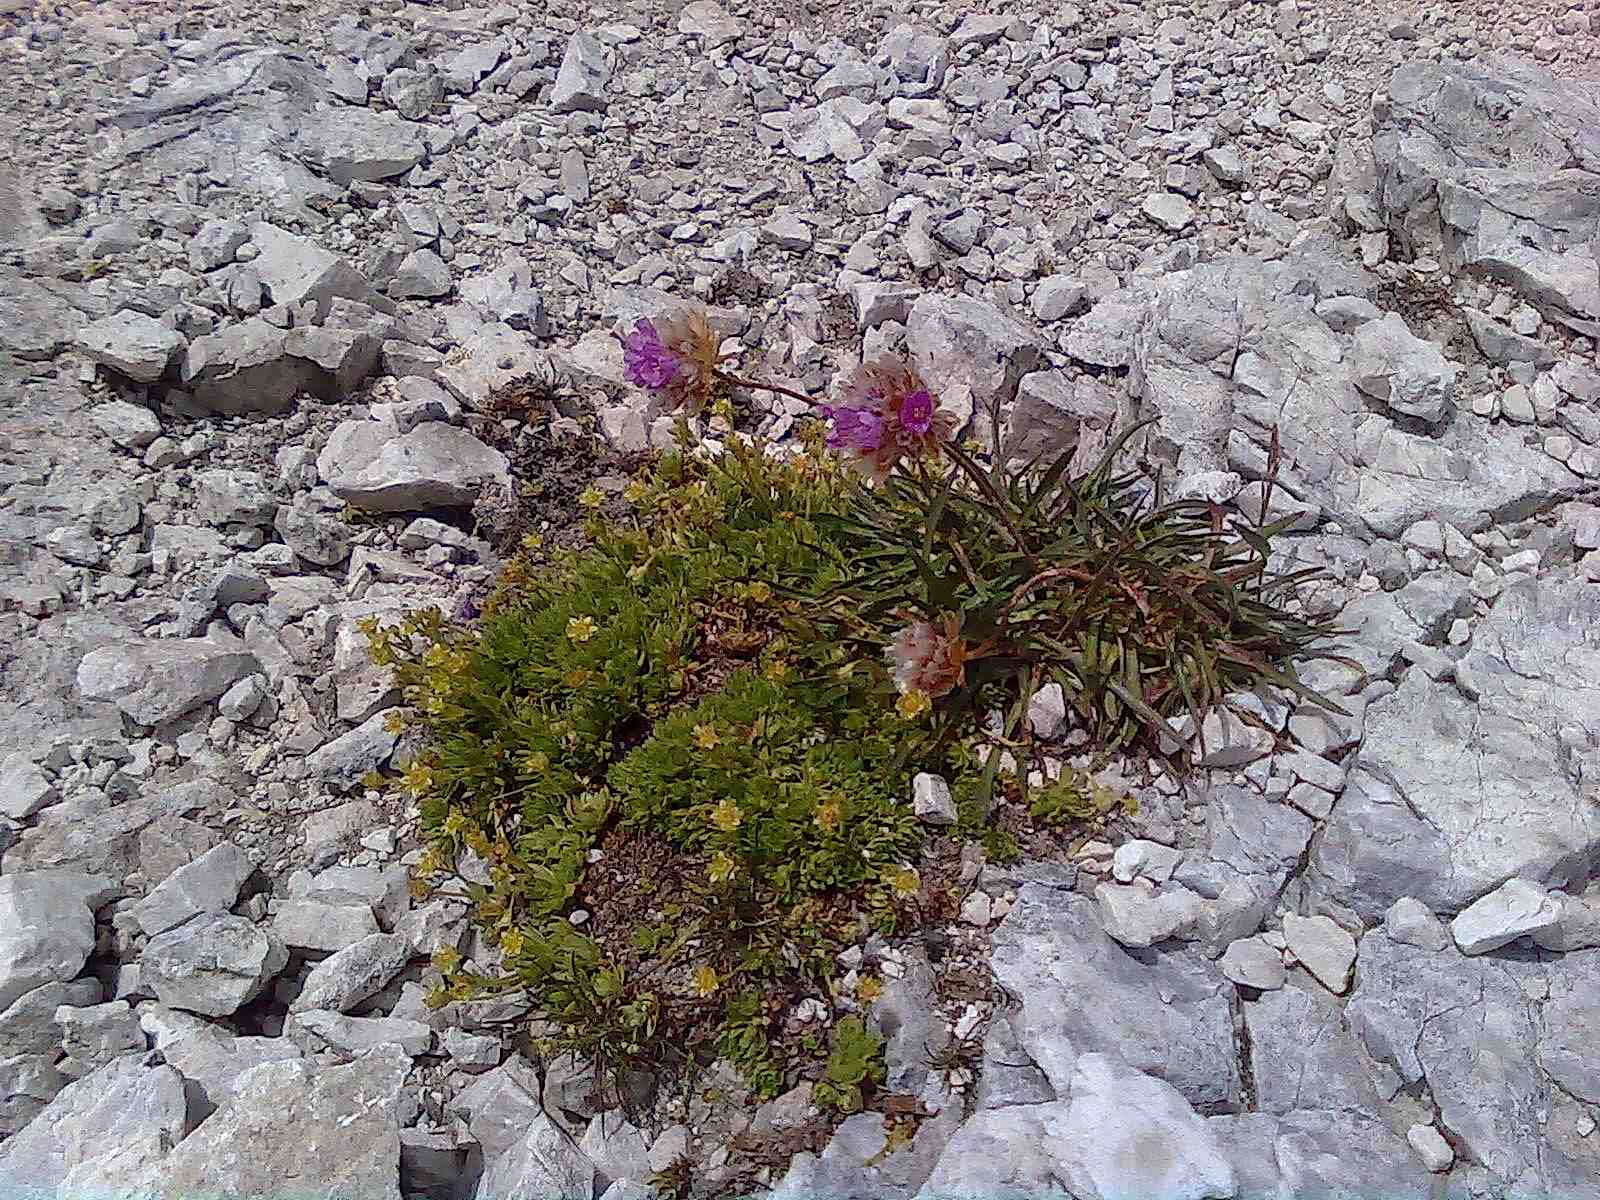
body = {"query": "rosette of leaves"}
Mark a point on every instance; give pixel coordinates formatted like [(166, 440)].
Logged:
[(1142, 609)]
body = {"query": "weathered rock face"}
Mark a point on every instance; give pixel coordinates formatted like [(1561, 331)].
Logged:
[(1450, 795), (46, 928), (335, 1129), (1052, 954), (1495, 168), (213, 965)]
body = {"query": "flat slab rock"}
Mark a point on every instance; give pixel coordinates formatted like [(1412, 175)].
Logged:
[(435, 465)]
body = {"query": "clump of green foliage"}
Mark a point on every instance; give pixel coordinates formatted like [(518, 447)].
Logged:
[(668, 771)]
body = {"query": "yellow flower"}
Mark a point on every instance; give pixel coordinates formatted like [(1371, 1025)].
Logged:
[(577, 677), (869, 989), (913, 705), (759, 592), (904, 880), (512, 941), (706, 982), (581, 629), (726, 816), (705, 737), (634, 492), (827, 815), (446, 960), (777, 670), (394, 722), (722, 868), (538, 762), (592, 497)]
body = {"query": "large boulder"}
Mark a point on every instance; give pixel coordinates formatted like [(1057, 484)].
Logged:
[(131, 344), (46, 928), (351, 145), (332, 1133), (214, 965)]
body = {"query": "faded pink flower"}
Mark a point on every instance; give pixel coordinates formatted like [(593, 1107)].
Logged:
[(674, 358), (928, 658), (888, 415)]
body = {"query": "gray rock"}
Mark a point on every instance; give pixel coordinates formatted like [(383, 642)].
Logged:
[(619, 1150), (490, 360), (209, 884), (413, 93), (351, 145), (1502, 344), (1082, 993), (27, 1027), (976, 352), (859, 1160), (295, 270), (931, 800), (93, 1036), (422, 274), (1309, 1153), (229, 497), (316, 1030), (1303, 1057), (1479, 791), (211, 1060), (507, 294), (582, 81), (216, 243), (24, 788), (321, 540), (433, 466), (243, 699), (156, 681), (1225, 165), (131, 426), (1058, 296), (315, 925), (1139, 915), (1121, 1134), (911, 1026), (214, 965), (106, 1134), (1409, 922), (1250, 962), (131, 344), (500, 1106), (46, 928), (1407, 373), (1431, 1147), (346, 760), (345, 979), (1325, 950), (335, 1130), (544, 1161), (28, 1082), (1517, 908), (1168, 210)]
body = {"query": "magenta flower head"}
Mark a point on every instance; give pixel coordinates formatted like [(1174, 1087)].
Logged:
[(916, 412), (858, 429), (646, 360)]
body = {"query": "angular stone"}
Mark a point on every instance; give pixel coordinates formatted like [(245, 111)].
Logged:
[(346, 760), (1250, 962), (360, 145), (103, 1135), (582, 81), (1169, 211), (544, 1161), (158, 680), (318, 1029), (1412, 376), (433, 466), (1325, 950), (1517, 908), (347, 978), (1137, 915), (1410, 923), (211, 1060), (334, 1130), (24, 788), (977, 352), (214, 965), (131, 426), (931, 800), (131, 344), (94, 1035), (27, 1026), (209, 884), (313, 925), (1302, 1055), (422, 274), (46, 928)]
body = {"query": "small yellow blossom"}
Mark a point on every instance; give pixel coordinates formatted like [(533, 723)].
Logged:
[(827, 815), (869, 989), (726, 816), (635, 492), (904, 880), (705, 737), (706, 982), (913, 705), (446, 960), (512, 941), (581, 629), (777, 670), (722, 868), (759, 592), (577, 677), (537, 762), (592, 497), (394, 722)]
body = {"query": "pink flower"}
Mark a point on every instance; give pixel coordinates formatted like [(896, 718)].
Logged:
[(916, 412), (858, 429), (646, 361), (929, 658)]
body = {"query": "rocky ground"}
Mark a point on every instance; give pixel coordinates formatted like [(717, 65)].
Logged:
[(262, 268)]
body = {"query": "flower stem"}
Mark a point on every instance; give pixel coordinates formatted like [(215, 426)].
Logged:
[(986, 486), (751, 384)]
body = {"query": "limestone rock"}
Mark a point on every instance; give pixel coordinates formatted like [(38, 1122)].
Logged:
[(214, 965), (155, 681), (131, 344), (433, 466)]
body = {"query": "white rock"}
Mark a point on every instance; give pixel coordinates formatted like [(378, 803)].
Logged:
[(1514, 909), (931, 800), (1137, 915), (1253, 963), (1431, 1147), (1146, 859), (1047, 711), (1325, 949)]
